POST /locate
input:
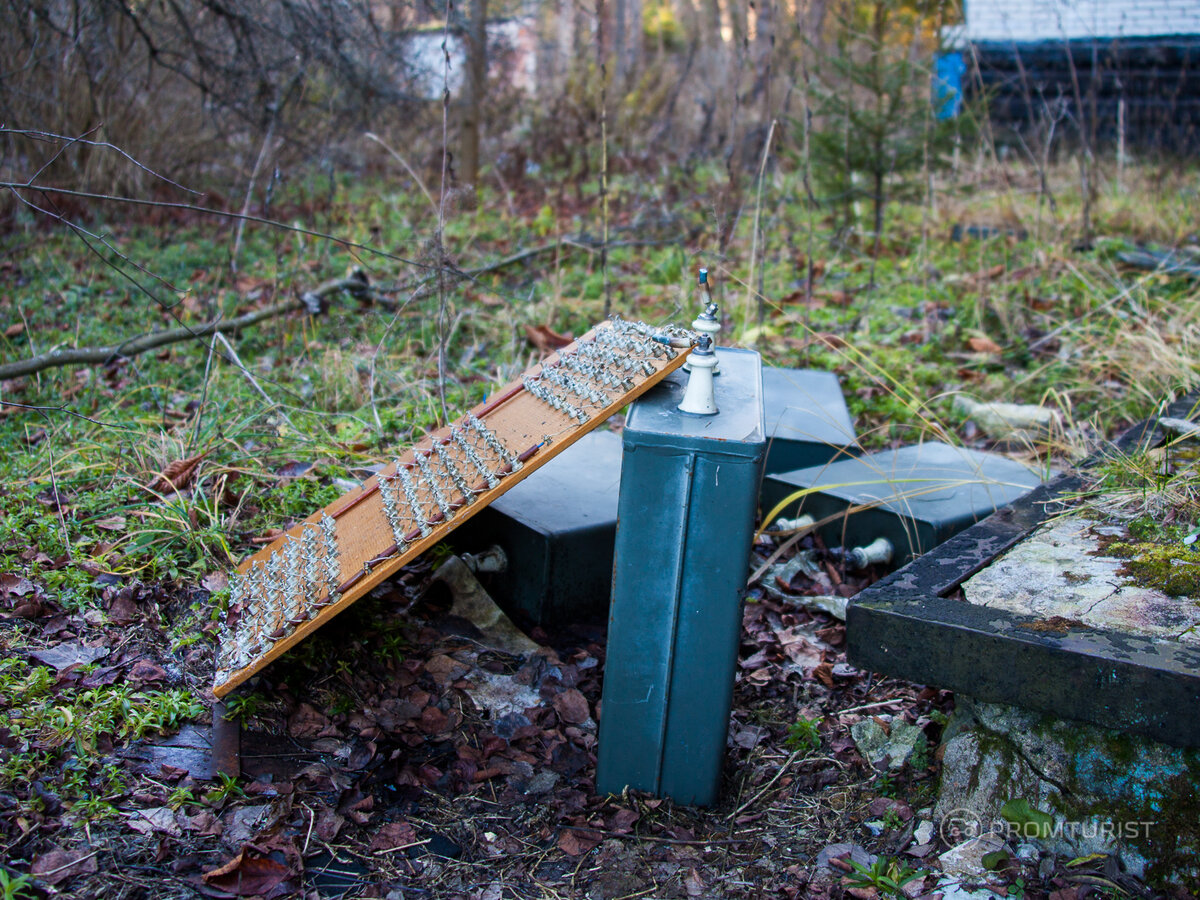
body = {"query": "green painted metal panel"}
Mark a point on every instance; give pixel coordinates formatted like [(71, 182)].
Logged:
[(916, 496), (557, 528), (689, 485), (807, 420)]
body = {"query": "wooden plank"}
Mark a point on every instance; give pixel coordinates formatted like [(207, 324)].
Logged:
[(420, 497)]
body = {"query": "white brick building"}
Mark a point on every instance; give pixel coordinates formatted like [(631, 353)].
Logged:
[(1107, 70), (1040, 20)]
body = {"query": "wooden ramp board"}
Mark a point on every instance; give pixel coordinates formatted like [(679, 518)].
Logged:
[(304, 578)]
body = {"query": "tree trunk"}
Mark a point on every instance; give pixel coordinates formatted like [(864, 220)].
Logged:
[(474, 91)]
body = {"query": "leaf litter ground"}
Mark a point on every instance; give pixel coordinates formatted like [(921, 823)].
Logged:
[(396, 756)]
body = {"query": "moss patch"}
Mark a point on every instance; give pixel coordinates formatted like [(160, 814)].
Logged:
[(1174, 570)]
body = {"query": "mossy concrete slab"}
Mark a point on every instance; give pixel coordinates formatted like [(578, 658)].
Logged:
[(1061, 573), (1112, 672)]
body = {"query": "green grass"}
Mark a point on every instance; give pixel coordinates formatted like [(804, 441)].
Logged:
[(58, 738)]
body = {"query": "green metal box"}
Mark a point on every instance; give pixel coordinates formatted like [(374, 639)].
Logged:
[(916, 496), (557, 528), (806, 418), (686, 520)]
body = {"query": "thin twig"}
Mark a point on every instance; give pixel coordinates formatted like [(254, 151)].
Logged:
[(770, 784), (866, 706), (99, 355), (762, 169), (439, 238), (268, 138), (133, 346), (253, 381), (407, 168), (657, 840), (62, 522), (105, 145), (10, 404), (212, 347)]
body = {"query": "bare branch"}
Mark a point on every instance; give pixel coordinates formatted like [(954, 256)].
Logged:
[(7, 406), (105, 145), (75, 356)]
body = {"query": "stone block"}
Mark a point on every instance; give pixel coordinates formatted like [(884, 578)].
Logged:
[(1104, 791)]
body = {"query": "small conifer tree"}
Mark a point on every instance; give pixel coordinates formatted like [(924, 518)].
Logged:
[(873, 123)]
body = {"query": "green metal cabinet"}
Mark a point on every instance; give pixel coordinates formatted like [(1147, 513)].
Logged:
[(557, 528), (689, 485), (916, 497), (807, 420)]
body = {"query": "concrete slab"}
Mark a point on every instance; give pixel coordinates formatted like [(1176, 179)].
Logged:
[(1071, 647), (1060, 571)]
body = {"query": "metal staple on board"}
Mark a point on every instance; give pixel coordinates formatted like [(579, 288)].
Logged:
[(292, 582), (450, 467), (330, 557), (252, 612), (649, 333), (608, 355), (312, 575), (474, 458), (572, 385), (413, 500), (598, 374), (434, 483), (272, 594), (391, 509), (493, 443), (544, 393)]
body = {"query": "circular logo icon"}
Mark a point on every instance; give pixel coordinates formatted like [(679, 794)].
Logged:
[(960, 825)]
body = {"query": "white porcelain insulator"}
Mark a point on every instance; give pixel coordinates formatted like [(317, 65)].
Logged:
[(698, 397)]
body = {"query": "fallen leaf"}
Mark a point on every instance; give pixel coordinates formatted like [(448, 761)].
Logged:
[(214, 581), (58, 865), (177, 475), (393, 836), (122, 610), (14, 329), (145, 672), (830, 340), (577, 841), (621, 822), (246, 875), (158, 818), (63, 655), (433, 720), (15, 585), (572, 707), (983, 345), (824, 673), (306, 722), (546, 339)]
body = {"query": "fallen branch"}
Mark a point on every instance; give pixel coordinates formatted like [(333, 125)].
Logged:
[(584, 243), (311, 302)]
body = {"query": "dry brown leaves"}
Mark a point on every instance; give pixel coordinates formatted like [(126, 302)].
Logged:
[(57, 865), (983, 344), (177, 475)]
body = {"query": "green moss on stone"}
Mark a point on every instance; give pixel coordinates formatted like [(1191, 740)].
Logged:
[(1113, 777), (1172, 569)]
